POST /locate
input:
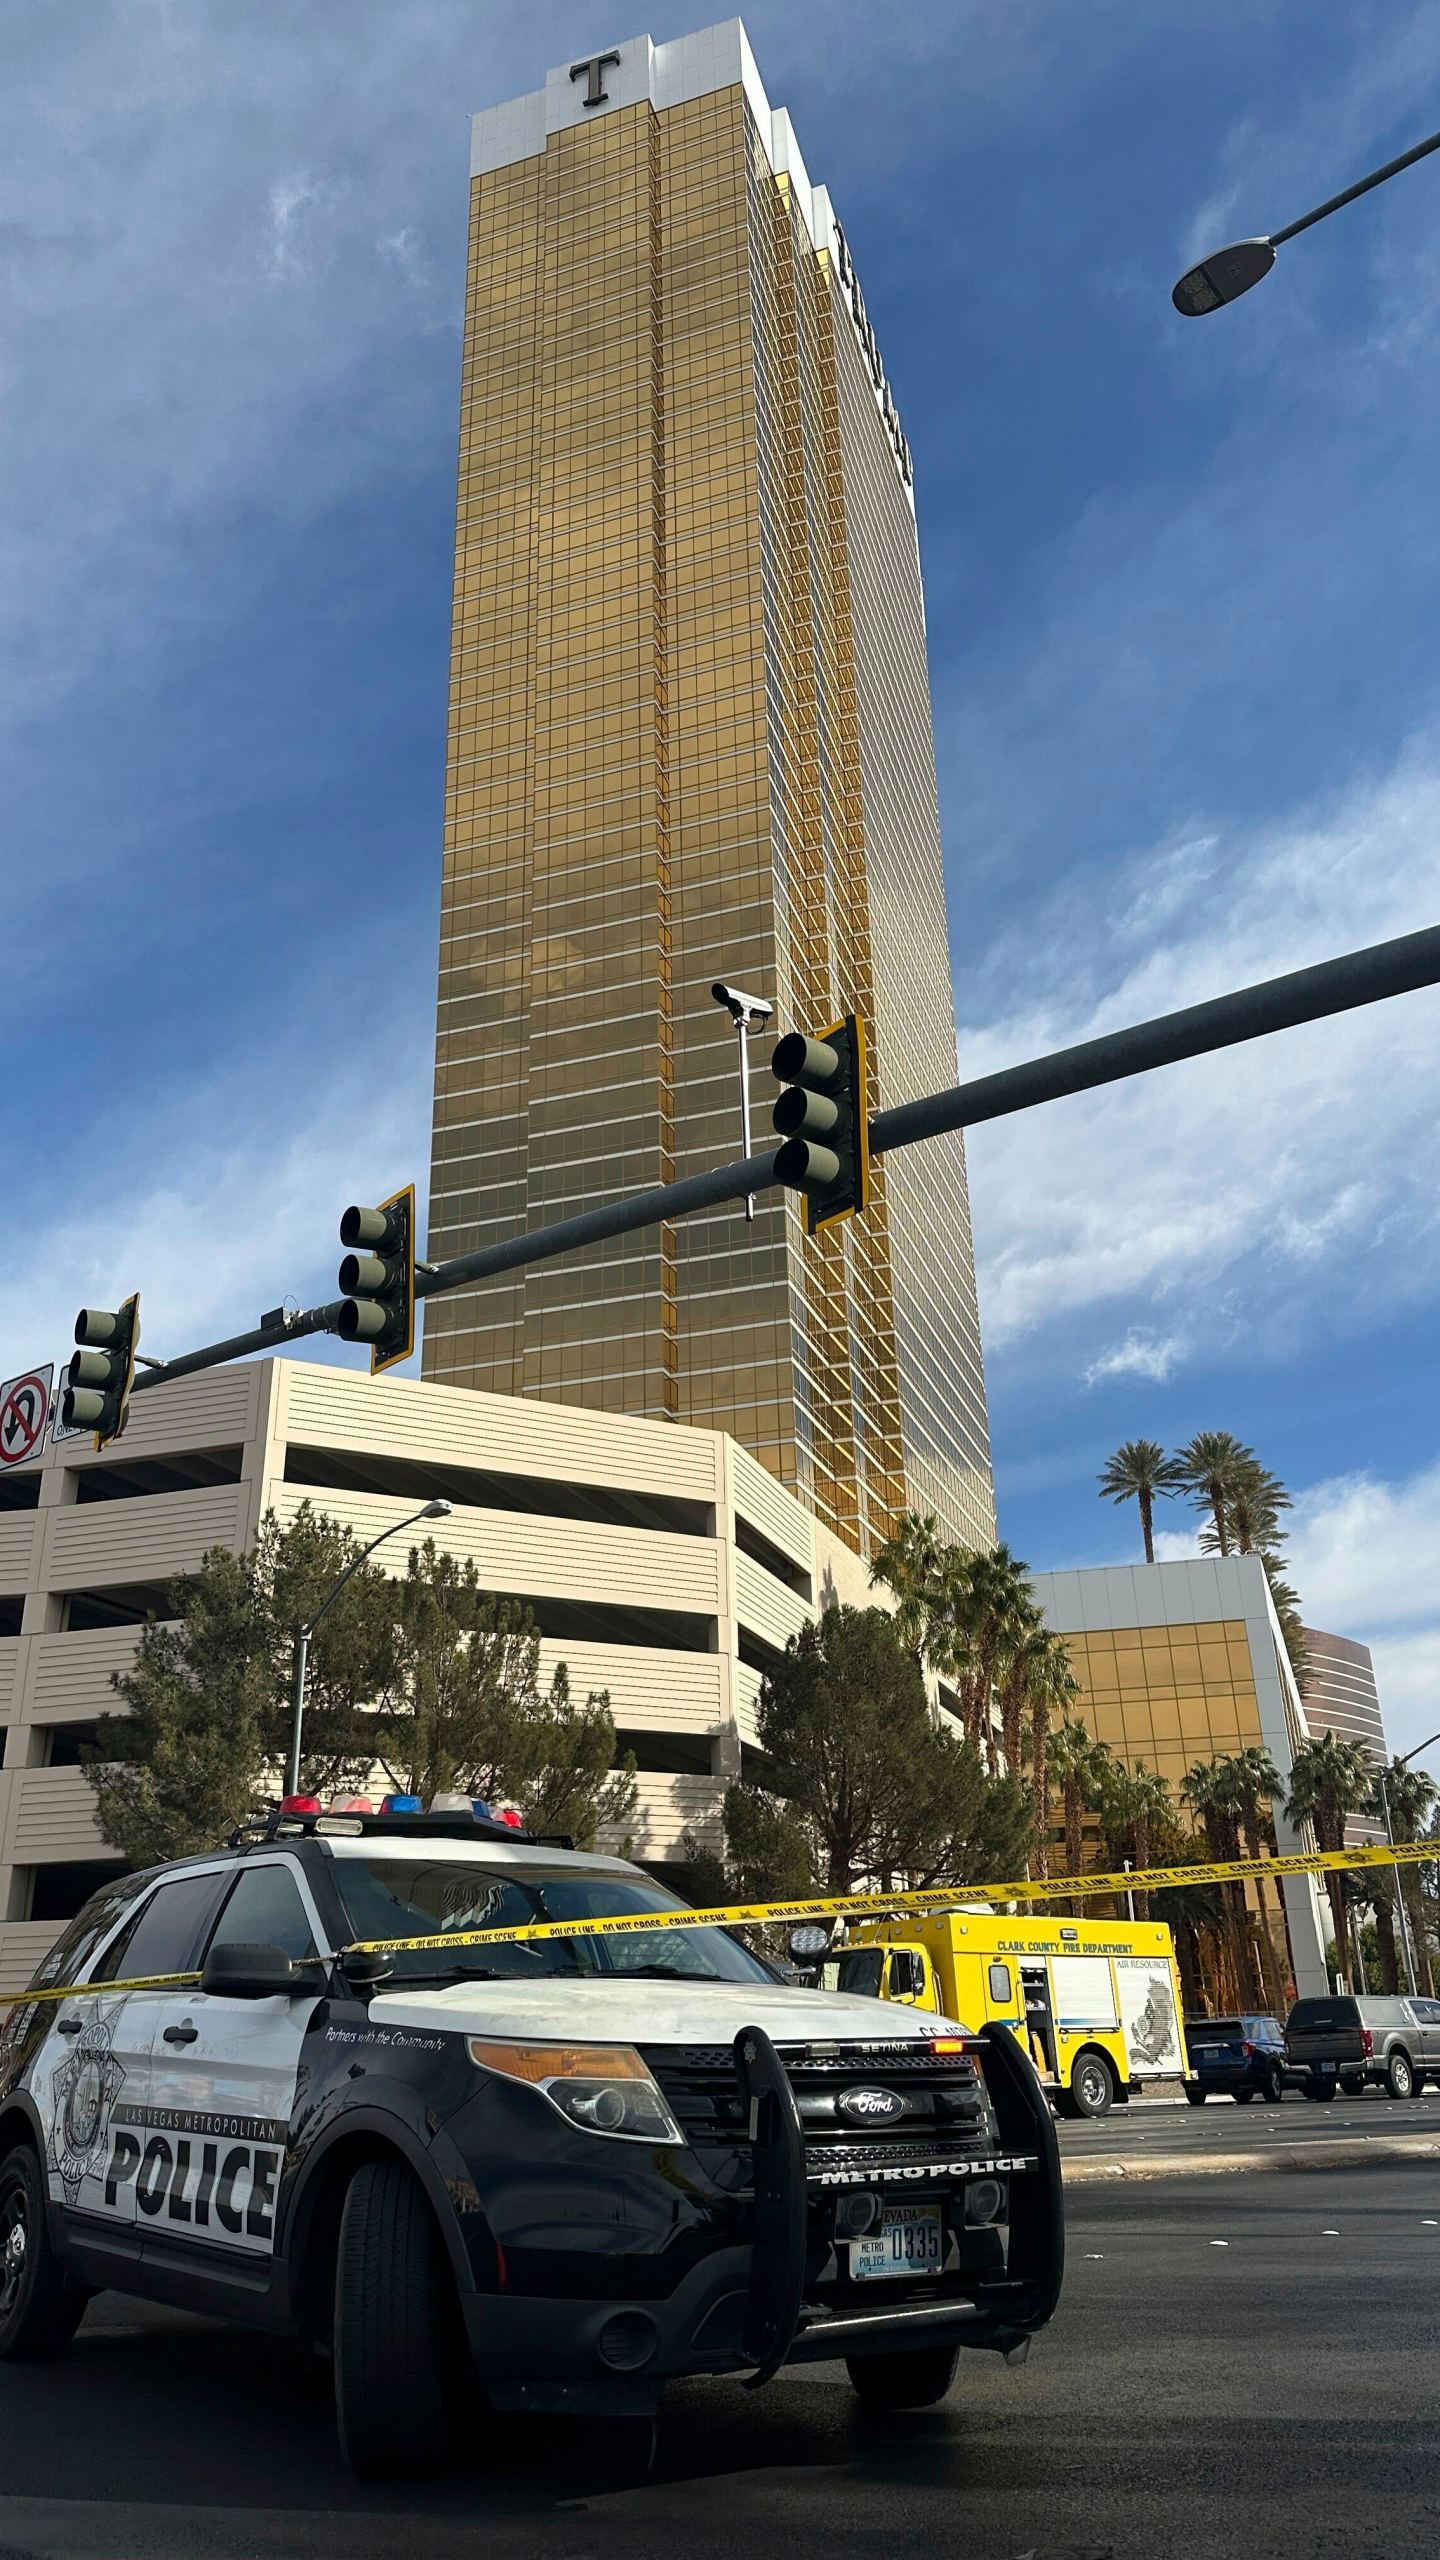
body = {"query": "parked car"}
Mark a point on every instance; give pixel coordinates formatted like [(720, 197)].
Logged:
[(1351, 2044), (1240, 2058)]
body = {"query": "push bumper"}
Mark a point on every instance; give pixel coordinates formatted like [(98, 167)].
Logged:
[(744, 2309)]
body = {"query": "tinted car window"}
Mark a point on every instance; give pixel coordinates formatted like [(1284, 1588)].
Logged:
[(1263, 2030), (1309, 2017), (70, 1955), (161, 1937), (265, 1910)]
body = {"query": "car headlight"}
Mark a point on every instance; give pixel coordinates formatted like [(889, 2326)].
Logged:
[(602, 2088)]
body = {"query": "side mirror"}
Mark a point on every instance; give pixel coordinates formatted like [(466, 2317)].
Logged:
[(258, 1973), (907, 1974)]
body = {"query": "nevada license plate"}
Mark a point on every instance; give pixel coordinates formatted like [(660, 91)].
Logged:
[(905, 2242)]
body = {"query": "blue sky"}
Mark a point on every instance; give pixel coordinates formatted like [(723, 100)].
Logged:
[(1183, 584)]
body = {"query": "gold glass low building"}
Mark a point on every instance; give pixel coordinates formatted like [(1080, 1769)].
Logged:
[(690, 740), (1182, 1662)]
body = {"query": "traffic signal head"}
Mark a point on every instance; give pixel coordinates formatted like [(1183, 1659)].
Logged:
[(96, 1394), (378, 1282), (823, 1117)]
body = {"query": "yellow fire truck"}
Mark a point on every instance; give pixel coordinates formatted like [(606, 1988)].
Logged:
[(1097, 2003)]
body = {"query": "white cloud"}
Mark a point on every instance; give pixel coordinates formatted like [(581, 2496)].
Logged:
[(1366, 1554), (258, 1163), (1365, 1558), (1140, 1355), (1275, 1190)]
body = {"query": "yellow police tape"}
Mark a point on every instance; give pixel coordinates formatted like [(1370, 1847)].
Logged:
[(730, 1915), (947, 1897)]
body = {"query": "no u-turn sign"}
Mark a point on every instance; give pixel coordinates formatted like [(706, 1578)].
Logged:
[(24, 1412)]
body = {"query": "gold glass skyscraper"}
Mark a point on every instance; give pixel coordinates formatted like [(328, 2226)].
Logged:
[(690, 739)]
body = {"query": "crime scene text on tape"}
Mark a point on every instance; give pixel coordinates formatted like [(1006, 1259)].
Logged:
[(834, 1906)]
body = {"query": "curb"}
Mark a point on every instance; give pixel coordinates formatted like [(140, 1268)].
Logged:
[(1361, 2154)]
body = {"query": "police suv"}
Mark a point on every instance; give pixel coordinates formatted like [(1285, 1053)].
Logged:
[(572, 2167)]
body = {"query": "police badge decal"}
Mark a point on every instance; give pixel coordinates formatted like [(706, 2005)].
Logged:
[(84, 2090)]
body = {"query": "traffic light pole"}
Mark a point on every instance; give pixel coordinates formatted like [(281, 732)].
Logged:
[(1278, 1004)]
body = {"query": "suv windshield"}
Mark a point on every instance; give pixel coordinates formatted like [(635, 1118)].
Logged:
[(424, 1898)]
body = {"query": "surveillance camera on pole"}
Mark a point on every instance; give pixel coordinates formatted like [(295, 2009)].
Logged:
[(748, 1013)]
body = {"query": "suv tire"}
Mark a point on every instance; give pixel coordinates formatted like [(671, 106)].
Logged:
[(396, 2347), (40, 2307), (915, 2379), (1321, 2090), (1244, 2096), (1400, 2076), (1273, 2087), (1196, 2097), (1092, 2086)]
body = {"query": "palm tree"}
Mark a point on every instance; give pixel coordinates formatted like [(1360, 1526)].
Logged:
[(1137, 1472), (1023, 1648), (1252, 1782), (1411, 1795), (1079, 1762), (1211, 1465), (1195, 1914), (1252, 1506), (1209, 1788), (1130, 1803), (1052, 1685), (1330, 1780), (911, 1563)]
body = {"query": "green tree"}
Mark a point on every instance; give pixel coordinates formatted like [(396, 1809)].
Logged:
[(1133, 1804), (429, 1676), (178, 1772), (1330, 1780), (1252, 1782), (1139, 1471), (859, 1769), (1412, 1797), (351, 1662), (1211, 1789), (1211, 1465), (1052, 1690), (913, 1563), (1077, 1764)]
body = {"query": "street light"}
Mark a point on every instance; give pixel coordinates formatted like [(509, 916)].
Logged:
[(1227, 273), (748, 1013), (1402, 1761), (437, 1510)]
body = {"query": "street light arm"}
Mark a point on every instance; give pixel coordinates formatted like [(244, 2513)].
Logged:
[(1405, 1757), (1348, 195), (356, 1562)]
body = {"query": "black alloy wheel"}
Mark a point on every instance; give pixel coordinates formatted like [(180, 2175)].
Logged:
[(1273, 2088), (40, 2309)]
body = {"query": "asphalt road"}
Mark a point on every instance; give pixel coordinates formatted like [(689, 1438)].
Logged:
[(1189, 2403), (1151, 2132)]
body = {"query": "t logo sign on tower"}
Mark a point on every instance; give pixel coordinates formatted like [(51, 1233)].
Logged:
[(593, 73)]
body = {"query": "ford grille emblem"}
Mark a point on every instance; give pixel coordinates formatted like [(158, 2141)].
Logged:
[(870, 2106)]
